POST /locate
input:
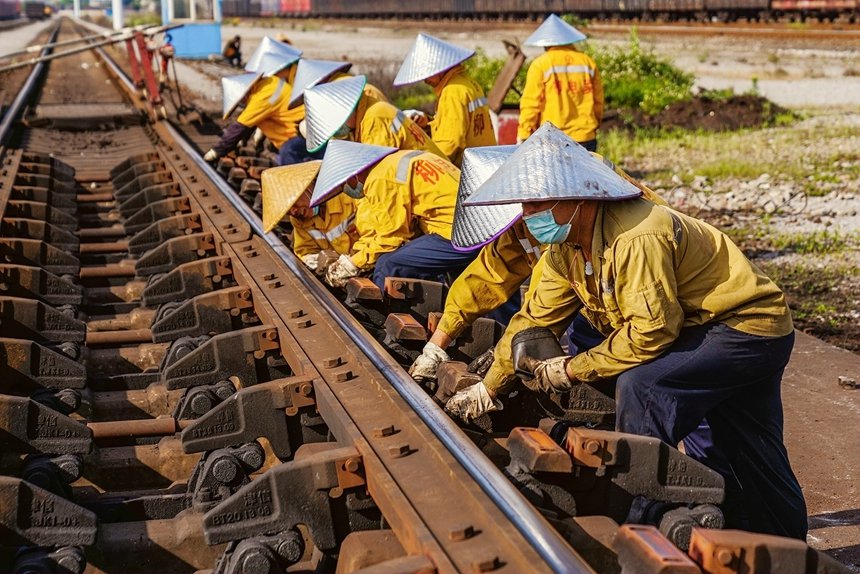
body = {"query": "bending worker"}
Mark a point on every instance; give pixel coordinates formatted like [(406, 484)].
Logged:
[(404, 211), (694, 331), (344, 110), (562, 86), (462, 117), (509, 255), (330, 226), (266, 91), (310, 73)]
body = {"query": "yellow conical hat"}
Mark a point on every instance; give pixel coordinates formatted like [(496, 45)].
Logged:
[(282, 186)]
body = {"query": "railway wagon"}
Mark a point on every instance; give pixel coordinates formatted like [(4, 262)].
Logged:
[(9, 9), (37, 10), (295, 8), (536, 9)]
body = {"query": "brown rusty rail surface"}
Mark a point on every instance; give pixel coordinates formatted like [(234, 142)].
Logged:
[(180, 394)]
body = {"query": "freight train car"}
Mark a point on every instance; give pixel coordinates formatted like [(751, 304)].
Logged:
[(705, 10), (9, 9), (35, 10)]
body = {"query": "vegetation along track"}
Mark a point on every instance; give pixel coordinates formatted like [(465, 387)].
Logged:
[(180, 394)]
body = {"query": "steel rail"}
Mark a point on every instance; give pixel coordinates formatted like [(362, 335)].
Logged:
[(40, 47), (545, 540), (25, 92)]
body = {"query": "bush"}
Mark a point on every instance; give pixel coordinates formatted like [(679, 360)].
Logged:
[(143, 19), (638, 78)]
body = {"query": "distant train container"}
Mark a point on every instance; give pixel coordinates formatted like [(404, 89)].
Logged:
[(9, 9), (37, 10), (536, 9)]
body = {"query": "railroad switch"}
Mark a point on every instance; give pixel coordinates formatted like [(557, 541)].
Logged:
[(217, 312), (315, 490), (240, 356), (262, 411), (189, 280)]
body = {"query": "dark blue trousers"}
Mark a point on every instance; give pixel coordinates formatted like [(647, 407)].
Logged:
[(731, 381), (428, 257), (295, 150)]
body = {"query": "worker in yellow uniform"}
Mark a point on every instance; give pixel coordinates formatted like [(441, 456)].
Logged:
[(462, 117), (695, 333), (562, 86), (266, 91), (330, 226), (510, 254), (342, 110), (310, 73), (404, 213)]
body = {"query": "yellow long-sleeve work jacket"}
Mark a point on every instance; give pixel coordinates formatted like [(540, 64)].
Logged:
[(655, 271), (268, 109), (380, 123), (407, 194), (563, 87), (499, 270), (462, 115), (333, 228)]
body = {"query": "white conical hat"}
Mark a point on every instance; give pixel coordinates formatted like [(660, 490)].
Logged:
[(428, 57), (328, 106), (234, 89), (550, 165), (344, 159), (554, 32), (309, 73), (478, 225), (282, 186), (271, 57)]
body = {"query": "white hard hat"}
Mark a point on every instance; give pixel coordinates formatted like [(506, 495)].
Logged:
[(478, 225), (429, 56), (554, 32), (550, 165), (328, 106), (235, 88), (344, 159)]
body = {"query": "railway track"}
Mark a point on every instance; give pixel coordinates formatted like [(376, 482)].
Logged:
[(179, 394)]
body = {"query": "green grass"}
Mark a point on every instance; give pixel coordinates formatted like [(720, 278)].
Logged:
[(143, 19)]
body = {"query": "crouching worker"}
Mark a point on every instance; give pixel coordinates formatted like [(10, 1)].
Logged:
[(330, 226), (403, 216), (509, 255), (266, 92), (694, 331)]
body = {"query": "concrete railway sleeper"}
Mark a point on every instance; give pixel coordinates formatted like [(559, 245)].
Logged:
[(179, 394)]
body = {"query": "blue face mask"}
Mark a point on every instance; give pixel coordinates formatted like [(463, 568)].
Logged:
[(544, 227), (315, 210), (356, 192)]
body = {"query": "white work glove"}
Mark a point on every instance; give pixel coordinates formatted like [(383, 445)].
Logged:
[(311, 261), (424, 367), (471, 403), (417, 116), (303, 129), (550, 376), (341, 270), (258, 138), (210, 155)]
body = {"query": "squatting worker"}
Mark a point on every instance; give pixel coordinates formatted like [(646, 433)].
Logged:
[(562, 86), (330, 226), (310, 73), (344, 110), (266, 91), (403, 215), (509, 255), (462, 117), (694, 331)]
